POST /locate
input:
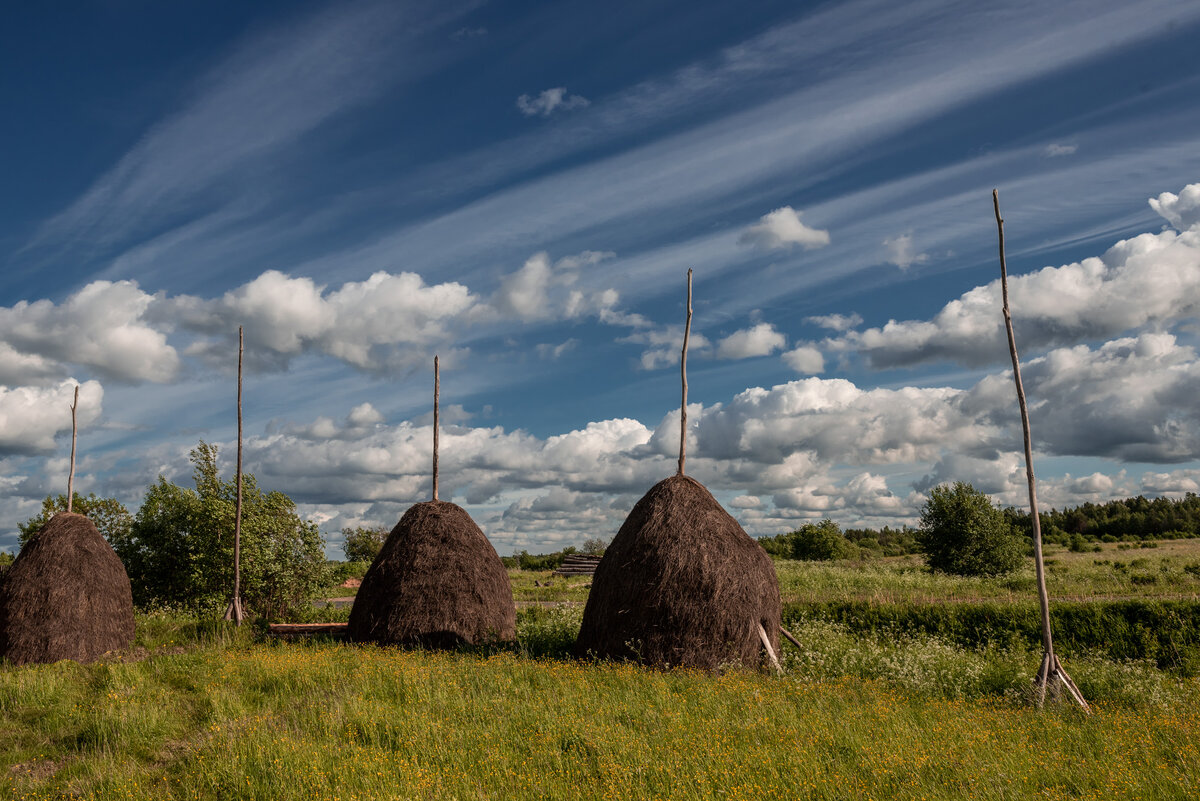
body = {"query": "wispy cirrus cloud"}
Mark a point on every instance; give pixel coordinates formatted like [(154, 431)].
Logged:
[(271, 90)]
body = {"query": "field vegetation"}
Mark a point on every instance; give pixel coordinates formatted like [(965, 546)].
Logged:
[(909, 683)]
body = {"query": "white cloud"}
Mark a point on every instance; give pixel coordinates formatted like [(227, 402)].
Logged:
[(542, 291), (780, 229), (102, 326), (551, 352), (31, 417), (1182, 210), (1055, 149), (550, 101), (760, 340), (836, 322), (900, 252), (1091, 299), (805, 359)]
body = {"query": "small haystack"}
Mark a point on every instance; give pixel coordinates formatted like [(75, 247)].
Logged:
[(682, 584), (437, 581), (67, 596)]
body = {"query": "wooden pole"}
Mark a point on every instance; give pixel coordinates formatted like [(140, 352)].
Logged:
[(1051, 668), (234, 612), (71, 473), (437, 384), (687, 330), (791, 638), (766, 641)]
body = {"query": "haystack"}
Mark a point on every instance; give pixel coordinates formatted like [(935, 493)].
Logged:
[(67, 596), (437, 582), (682, 584)]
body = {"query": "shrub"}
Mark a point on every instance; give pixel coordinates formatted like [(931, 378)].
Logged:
[(962, 532)]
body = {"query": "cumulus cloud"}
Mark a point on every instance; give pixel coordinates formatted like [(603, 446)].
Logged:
[(1087, 300), (805, 359), (1182, 210), (760, 340), (836, 322), (102, 326), (31, 417), (549, 102), (665, 345), (781, 229), (540, 290), (900, 252)]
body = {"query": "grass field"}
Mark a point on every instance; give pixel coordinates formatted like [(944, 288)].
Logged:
[(230, 718), (209, 712)]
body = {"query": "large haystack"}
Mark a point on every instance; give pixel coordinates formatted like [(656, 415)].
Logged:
[(436, 582), (66, 596), (681, 585)]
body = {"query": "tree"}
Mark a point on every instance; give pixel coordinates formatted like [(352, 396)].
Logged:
[(963, 533), (110, 515), (179, 549), (595, 546), (820, 542), (363, 544)]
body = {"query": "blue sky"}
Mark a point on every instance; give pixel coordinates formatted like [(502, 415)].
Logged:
[(521, 189)]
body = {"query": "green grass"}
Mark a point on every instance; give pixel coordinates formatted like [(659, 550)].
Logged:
[(885, 709), (232, 719), (1113, 572)]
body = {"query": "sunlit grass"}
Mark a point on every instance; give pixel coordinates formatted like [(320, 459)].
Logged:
[(209, 713), (1113, 572)]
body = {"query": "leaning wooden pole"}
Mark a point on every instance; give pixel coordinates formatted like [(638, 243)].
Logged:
[(71, 472), (687, 330), (437, 389), (1051, 669), (234, 612)]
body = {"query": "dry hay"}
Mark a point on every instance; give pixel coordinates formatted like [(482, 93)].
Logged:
[(437, 582), (67, 596), (681, 585)]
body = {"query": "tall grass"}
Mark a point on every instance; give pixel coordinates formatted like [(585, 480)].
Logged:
[(326, 720)]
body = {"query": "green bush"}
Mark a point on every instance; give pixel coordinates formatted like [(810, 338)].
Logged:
[(963, 533), (1167, 632)]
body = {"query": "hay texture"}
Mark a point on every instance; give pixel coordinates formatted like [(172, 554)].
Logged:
[(437, 582), (681, 585), (66, 596)]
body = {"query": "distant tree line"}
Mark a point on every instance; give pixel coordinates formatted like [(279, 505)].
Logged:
[(1129, 519)]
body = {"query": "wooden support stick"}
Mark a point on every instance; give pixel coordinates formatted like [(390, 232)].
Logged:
[(437, 387), (71, 473), (234, 612), (791, 638), (766, 641), (1051, 669), (687, 330)]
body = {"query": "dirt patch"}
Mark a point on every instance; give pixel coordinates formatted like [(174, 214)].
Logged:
[(38, 769)]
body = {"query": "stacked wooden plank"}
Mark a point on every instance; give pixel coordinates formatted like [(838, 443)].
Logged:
[(578, 564)]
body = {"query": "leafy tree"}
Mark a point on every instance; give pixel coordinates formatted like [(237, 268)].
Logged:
[(963, 533), (363, 544), (6, 559), (595, 546), (179, 549), (110, 515), (820, 542)]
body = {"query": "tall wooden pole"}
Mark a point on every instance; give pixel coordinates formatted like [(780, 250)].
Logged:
[(71, 473), (436, 391), (234, 612), (1051, 668), (687, 330)]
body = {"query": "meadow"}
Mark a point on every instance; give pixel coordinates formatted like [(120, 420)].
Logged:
[(207, 711)]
